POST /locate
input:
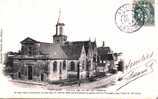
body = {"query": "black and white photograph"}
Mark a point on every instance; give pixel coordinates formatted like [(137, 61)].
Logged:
[(78, 49)]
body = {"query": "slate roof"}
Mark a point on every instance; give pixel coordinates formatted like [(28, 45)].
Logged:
[(86, 44), (78, 44), (72, 51), (103, 50), (68, 50), (104, 53), (54, 51)]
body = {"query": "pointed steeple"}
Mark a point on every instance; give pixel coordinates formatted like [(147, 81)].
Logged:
[(60, 25), (59, 16), (59, 37)]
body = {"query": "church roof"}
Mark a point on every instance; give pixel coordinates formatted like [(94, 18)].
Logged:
[(54, 51), (86, 44), (68, 50), (29, 40), (72, 51), (103, 50), (104, 53)]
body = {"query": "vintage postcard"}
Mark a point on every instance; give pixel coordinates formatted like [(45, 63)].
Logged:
[(79, 49)]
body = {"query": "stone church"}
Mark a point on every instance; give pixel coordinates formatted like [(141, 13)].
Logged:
[(41, 61), (59, 60)]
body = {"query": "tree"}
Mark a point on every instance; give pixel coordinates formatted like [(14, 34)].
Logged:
[(120, 66), (8, 62)]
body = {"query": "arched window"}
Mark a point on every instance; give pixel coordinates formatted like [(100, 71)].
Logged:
[(83, 65), (55, 66), (72, 66), (60, 68), (29, 50), (78, 70), (88, 65), (94, 59), (19, 74), (61, 29), (64, 64)]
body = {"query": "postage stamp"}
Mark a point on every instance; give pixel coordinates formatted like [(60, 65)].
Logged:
[(131, 17), (149, 11)]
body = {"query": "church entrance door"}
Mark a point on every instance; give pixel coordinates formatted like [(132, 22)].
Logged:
[(42, 77), (29, 72)]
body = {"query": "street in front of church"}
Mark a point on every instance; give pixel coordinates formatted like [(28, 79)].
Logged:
[(99, 83)]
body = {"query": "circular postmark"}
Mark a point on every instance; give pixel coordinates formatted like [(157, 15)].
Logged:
[(129, 18)]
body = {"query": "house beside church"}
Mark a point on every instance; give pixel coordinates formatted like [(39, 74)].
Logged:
[(61, 59)]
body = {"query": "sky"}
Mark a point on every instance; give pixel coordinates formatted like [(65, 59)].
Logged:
[(84, 19)]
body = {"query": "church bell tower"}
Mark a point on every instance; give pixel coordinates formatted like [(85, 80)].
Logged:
[(59, 37)]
